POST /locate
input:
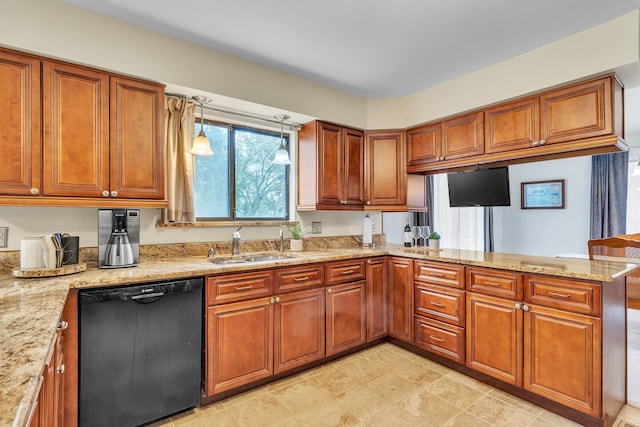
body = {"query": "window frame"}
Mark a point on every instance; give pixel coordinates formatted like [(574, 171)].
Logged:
[(233, 127)]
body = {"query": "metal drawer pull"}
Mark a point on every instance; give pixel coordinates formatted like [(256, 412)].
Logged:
[(437, 304), (494, 284), (300, 279), (61, 369), (347, 272), (437, 274), (243, 288), (556, 294), (62, 325), (436, 338)]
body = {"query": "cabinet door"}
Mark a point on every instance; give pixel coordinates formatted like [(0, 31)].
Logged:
[(239, 344), (423, 144), (494, 337), (346, 317), (20, 140), (400, 304), (353, 178), (385, 171), (376, 298), (512, 126), (330, 164), (463, 136), (575, 378), (581, 111), (137, 139), (299, 329), (76, 131), (440, 338)]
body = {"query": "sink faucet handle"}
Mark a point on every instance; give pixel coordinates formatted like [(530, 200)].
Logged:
[(212, 252)]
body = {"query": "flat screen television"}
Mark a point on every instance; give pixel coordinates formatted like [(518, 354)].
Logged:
[(482, 187)]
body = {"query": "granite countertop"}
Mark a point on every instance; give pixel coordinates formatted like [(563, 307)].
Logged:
[(31, 308)]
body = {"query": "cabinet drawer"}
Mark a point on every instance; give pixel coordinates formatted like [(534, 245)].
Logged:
[(439, 273), (576, 296), (238, 287), (345, 271), (440, 303), (440, 338), (296, 278), (494, 282)]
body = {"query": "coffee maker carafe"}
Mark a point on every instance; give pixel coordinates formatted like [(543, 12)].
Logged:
[(118, 238)]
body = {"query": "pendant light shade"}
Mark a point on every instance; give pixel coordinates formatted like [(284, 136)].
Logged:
[(282, 155), (201, 146)]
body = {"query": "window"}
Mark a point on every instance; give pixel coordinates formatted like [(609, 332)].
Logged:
[(240, 182)]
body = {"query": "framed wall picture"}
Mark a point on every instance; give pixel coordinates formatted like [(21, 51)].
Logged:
[(542, 194)]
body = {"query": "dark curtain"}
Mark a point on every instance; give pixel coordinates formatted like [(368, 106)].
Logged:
[(488, 228), (609, 180)]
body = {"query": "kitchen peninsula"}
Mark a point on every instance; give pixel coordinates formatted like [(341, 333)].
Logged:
[(540, 294)]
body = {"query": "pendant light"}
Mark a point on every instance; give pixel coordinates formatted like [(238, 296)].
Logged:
[(282, 155), (201, 146)]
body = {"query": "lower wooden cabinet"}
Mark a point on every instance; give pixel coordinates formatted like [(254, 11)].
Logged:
[(376, 298), (400, 305), (346, 317), (440, 338)]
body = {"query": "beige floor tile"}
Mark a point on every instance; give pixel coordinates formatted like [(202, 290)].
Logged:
[(471, 382), (465, 419), (426, 406), (518, 403), (391, 387), (263, 410), (362, 402), (386, 358), (455, 392), (298, 395), (335, 383), (362, 370), (416, 373), (393, 416), (499, 413), (331, 415), (555, 419)]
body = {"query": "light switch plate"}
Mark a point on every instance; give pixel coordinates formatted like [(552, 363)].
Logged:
[(316, 227), (4, 237)]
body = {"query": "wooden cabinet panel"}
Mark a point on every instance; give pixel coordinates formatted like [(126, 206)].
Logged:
[(579, 111), (353, 181), (579, 297), (137, 139), (239, 344), (400, 303), (512, 126), (563, 358), (344, 271), (494, 338), (463, 136), (440, 303), (346, 317), (499, 283), (423, 144), (330, 163), (20, 139), (299, 329), (439, 273), (238, 287), (76, 131), (298, 278), (376, 293), (440, 338), (385, 169)]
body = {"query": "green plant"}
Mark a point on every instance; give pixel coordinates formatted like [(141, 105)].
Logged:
[(296, 231), (434, 236)]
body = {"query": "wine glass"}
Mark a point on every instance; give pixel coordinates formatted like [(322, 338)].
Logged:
[(425, 231), (415, 235)]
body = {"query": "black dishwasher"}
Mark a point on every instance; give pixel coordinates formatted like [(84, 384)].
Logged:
[(140, 352)]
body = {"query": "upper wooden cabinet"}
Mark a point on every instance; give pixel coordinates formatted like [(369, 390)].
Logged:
[(448, 140), (90, 138), (577, 112), (330, 167)]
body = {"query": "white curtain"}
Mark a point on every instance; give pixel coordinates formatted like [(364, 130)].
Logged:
[(459, 228), (180, 130)]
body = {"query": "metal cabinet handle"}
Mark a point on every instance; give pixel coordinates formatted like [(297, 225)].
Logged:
[(542, 142), (329, 290), (436, 338), (518, 306), (62, 325), (300, 279), (346, 272), (243, 288), (369, 202), (114, 194), (437, 304), (61, 369), (525, 307), (277, 299), (105, 193), (536, 143), (494, 284), (558, 295), (272, 300), (34, 191)]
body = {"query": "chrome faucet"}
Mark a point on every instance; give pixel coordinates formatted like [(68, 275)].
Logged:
[(236, 241), (281, 241)]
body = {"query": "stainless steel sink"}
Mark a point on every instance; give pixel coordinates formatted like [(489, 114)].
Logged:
[(250, 258)]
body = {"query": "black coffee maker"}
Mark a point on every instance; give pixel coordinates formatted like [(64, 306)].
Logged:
[(118, 238)]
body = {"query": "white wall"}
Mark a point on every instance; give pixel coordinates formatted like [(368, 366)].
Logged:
[(546, 232)]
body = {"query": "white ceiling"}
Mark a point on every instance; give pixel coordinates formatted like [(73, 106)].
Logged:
[(371, 48)]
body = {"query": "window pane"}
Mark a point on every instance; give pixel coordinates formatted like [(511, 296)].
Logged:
[(211, 183), (261, 186)]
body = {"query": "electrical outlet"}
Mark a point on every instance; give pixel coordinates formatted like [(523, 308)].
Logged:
[(316, 227), (4, 237)]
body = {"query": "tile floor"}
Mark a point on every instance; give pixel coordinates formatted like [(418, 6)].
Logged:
[(387, 386)]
